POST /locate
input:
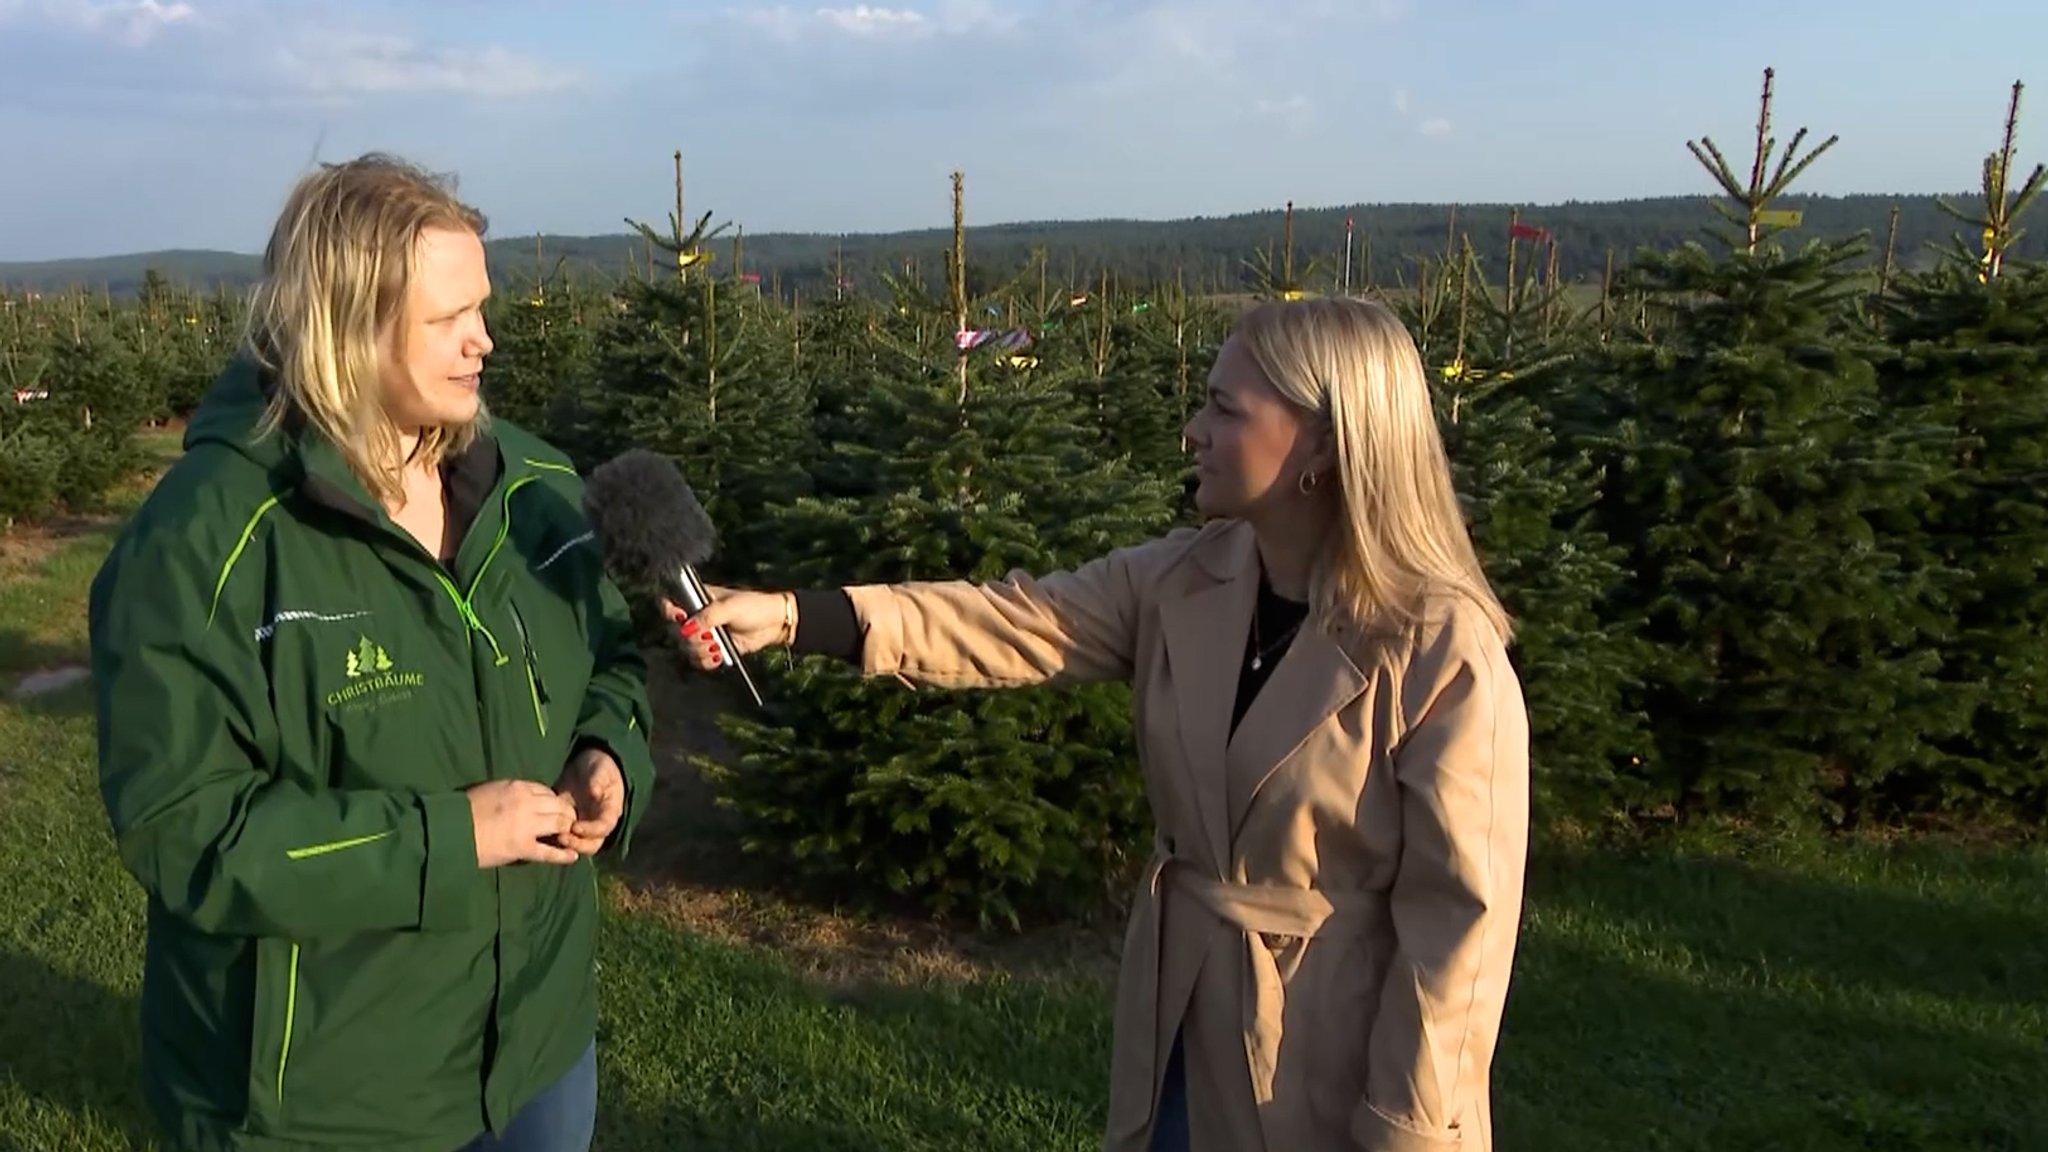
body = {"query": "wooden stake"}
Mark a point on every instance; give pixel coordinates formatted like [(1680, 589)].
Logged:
[(1514, 220), (1287, 240), (1999, 212), (1606, 292), (957, 273), (1756, 170), (1891, 243), (682, 273)]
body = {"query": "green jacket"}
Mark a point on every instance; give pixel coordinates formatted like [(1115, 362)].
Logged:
[(292, 695)]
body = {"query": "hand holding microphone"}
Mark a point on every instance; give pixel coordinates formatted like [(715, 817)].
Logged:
[(733, 624)]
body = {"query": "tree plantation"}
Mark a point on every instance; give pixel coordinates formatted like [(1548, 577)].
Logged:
[(1767, 505)]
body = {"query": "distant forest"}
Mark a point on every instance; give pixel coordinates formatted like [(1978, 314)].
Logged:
[(1213, 255)]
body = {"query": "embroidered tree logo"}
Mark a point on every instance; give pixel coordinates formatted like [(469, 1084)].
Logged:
[(367, 658)]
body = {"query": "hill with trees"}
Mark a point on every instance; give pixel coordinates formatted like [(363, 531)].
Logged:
[(1209, 255)]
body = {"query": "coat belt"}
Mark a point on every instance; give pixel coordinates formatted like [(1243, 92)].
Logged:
[(1259, 911), (1272, 909)]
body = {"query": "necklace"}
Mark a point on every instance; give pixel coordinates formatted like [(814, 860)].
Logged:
[(1260, 652)]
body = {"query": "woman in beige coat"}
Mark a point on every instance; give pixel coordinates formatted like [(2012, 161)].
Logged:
[(1333, 741)]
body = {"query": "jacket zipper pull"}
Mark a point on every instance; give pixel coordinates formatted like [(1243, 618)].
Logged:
[(540, 685)]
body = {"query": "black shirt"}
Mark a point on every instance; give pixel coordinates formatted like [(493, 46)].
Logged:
[(1274, 625)]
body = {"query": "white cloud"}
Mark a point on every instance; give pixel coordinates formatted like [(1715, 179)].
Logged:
[(1297, 112), (1427, 125), (247, 56), (130, 22), (878, 23), (345, 65), (865, 21), (1235, 65)]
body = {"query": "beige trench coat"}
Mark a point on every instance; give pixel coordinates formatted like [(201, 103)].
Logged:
[(1333, 906)]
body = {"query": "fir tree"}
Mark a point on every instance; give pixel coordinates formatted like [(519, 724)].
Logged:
[(543, 362), (1973, 356), (174, 339), (838, 358), (99, 397), (699, 368), (992, 803), (1762, 490), (1970, 355), (1150, 357), (981, 801), (1530, 495)]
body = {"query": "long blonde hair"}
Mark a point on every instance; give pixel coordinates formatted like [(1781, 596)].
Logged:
[(1401, 537), (336, 275)]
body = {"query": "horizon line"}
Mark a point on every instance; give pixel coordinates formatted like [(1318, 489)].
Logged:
[(1059, 222)]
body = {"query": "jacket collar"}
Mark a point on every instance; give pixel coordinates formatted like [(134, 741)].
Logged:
[(309, 462), (1204, 624)]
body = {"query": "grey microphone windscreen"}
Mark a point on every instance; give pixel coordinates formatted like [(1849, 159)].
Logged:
[(648, 522)]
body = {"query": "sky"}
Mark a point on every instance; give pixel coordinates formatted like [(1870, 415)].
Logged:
[(132, 125)]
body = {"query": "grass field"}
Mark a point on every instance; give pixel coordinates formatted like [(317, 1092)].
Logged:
[(1726, 992)]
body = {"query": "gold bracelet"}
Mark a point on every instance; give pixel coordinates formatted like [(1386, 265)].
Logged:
[(788, 619)]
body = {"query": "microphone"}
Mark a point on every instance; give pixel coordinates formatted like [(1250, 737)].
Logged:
[(652, 530)]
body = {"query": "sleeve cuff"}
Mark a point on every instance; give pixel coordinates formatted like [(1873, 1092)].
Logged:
[(1375, 1131), (449, 897), (826, 625)]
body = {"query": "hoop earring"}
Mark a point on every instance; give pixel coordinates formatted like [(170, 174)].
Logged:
[(1306, 483)]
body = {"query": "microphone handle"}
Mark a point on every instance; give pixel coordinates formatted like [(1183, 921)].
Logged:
[(696, 599)]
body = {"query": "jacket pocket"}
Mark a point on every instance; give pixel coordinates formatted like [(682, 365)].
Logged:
[(536, 683), (272, 1020)]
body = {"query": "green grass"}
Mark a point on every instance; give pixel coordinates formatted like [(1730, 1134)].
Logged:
[(1719, 993)]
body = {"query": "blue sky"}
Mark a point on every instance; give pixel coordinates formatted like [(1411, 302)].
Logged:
[(138, 124)]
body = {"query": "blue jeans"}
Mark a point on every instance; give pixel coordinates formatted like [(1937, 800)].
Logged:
[(560, 1119), (1170, 1127)]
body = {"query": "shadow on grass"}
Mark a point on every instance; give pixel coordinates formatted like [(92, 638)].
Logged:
[(1704, 1002), (22, 654), (1600, 1053), (710, 1046), (1981, 938), (73, 1045), (1620, 1036)]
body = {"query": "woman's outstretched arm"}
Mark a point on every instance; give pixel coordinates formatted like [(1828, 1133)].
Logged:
[(1066, 627)]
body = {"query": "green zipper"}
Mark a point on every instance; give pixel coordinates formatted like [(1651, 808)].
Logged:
[(466, 603), (536, 688), (469, 616)]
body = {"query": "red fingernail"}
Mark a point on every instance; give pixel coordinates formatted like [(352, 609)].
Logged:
[(689, 627)]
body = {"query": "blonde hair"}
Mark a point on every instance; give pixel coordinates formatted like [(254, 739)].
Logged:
[(1401, 536), (336, 276)]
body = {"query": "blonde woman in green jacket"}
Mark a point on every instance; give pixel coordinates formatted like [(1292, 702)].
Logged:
[(367, 708)]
